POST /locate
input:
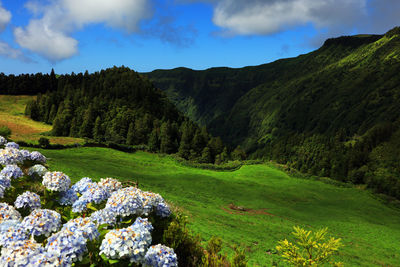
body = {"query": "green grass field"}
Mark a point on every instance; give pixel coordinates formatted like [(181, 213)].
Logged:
[(369, 229)]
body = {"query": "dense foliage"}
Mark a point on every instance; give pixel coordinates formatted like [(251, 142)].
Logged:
[(333, 112), (119, 106)]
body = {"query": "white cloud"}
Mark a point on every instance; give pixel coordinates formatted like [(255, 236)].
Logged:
[(5, 17), (7, 51), (248, 17), (50, 35)]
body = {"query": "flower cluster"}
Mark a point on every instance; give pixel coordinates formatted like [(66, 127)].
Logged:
[(42, 222), (11, 231), (82, 185), (26, 155), (110, 184), (126, 201), (56, 181), (3, 141), (126, 243), (5, 181), (10, 156), (150, 201), (8, 212), (163, 210), (104, 216), (37, 171), (161, 256), (12, 171), (20, 253), (68, 245), (67, 198), (93, 194), (82, 226), (28, 200), (12, 145), (37, 156)]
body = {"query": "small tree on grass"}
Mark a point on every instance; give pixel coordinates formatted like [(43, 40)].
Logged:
[(309, 249), (5, 131), (44, 142)]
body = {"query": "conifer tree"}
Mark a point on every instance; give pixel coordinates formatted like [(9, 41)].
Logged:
[(97, 131), (130, 138)]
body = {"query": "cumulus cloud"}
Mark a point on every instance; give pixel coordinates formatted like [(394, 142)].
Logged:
[(50, 34), (5, 17), (7, 51), (248, 17)]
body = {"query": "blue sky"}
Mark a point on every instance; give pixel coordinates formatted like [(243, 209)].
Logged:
[(79, 35)]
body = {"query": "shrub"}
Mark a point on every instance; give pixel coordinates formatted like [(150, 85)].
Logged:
[(309, 249), (44, 142), (5, 131)]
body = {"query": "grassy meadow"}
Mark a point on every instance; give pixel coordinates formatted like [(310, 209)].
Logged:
[(274, 201), (12, 109)]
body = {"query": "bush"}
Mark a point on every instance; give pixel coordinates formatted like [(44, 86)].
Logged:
[(44, 142), (5, 131), (309, 249)]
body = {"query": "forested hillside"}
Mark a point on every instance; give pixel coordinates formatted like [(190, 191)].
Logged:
[(333, 112), (119, 106)]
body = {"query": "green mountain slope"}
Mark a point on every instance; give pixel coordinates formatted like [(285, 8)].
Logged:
[(325, 112)]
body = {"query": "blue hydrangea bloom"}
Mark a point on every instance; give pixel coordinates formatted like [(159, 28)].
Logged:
[(80, 205), (95, 194), (12, 145), (37, 156), (110, 184), (82, 226), (20, 253), (104, 216), (26, 155), (67, 198), (28, 200), (11, 231), (2, 190), (10, 156), (143, 223), (12, 171), (3, 141), (161, 256), (125, 243), (48, 259), (163, 210), (37, 171), (82, 185), (5, 181), (126, 201), (56, 181), (69, 245), (8, 212), (42, 222), (150, 201)]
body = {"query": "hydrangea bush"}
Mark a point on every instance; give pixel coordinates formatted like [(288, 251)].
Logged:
[(45, 220)]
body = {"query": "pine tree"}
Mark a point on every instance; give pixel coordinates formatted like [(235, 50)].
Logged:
[(87, 125), (97, 130), (166, 138), (130, 138), (184, 147), (206, 156), (154, 144)]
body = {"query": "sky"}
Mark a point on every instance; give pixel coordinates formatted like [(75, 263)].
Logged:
[(79, 35)]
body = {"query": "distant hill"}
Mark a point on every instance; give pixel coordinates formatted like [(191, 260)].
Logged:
[(333, 112)]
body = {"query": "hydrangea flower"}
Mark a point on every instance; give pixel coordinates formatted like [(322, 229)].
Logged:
[(2, 189), (93, 193), (10, 156), (20, 253), (150, 201), (3, 141), (124, 243), (5, 181), (161, 256), (110, 184), (56, 181), (37, 156), (8, 212), (126, 201), (12, 171), (42, 222), (82, 226), (12, 145), (28, 200), (142, 223), (163, 210), (68, 245), (82, 185), (26, 155), (11, 231), (104, 216), (37, 171), (80, 205), (47, 259), (67, 198)]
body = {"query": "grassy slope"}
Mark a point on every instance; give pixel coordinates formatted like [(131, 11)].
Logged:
[(369, 229), (12, 110)]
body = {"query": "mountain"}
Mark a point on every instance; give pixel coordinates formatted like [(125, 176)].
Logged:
[(120, 106), (332, 112)]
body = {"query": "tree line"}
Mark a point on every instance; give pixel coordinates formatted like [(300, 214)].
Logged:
[(119, 106)]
